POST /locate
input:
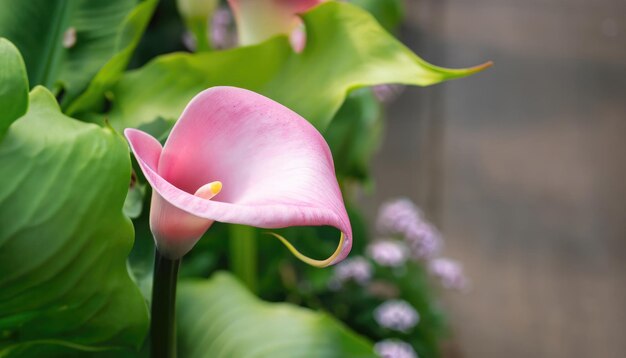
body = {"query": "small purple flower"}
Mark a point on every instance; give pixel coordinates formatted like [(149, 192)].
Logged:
[(387, 93), (357, 269), (223, 33), (395, 217), (449, 272), (402, 217), (398, 315), (189, 41), (424, 240), (394, 348), (389, 253)]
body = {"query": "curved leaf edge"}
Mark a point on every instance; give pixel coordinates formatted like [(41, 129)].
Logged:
[(18, 97)]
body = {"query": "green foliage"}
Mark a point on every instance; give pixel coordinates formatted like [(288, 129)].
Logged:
[(133, 205), (65, 289), (128, 38), (416, 288), (409, 283), (104, 31), (388, 13), (64, 284), (13, 85), (354, 134), (219, 318), (346, 49), (36, 27), (287, 279)]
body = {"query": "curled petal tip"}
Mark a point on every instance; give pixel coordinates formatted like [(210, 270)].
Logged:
[(332, 259), (481, 67)]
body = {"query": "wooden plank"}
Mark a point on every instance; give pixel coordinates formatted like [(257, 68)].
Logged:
[(533, 178)]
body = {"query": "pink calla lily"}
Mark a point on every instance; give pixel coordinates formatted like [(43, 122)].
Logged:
[(276, 169), (258, 20)]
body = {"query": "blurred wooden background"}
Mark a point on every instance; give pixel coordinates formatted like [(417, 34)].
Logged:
[(523, 168)]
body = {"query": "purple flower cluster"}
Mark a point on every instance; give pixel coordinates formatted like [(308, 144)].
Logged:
[(397, 216), (398, 315), (402, 217), (223, 32), (387, 93), (357, 269), (424, 240), (389, 253), (449, 272), (394, 348)]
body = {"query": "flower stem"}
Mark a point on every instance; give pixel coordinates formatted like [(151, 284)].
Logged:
[(199, 29), (163, 324), (243, 255)]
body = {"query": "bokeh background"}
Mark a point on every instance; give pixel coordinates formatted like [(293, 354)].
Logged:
[(523, 169)]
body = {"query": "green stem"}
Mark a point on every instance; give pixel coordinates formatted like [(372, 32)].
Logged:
[(243, 255), (163, 324), (199, 29)]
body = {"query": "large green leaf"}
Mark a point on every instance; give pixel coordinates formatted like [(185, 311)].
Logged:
[(37, 28), (13, 85), (220, 318), (128, 38), (64, 283), (346, 49)]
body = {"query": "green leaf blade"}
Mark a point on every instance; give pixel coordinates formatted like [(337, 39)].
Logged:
[(105, 30), (36, 27), (346, 49), (64, 284), (97, 24), (219, 318), (165, 86), (13, 85), (126, 40)]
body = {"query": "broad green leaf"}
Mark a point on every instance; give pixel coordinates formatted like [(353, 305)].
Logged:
[(13, 85), (220, 318), (128, 38), (346, 49), (64, 283), (159, 91), (36, 27), (94, 31)]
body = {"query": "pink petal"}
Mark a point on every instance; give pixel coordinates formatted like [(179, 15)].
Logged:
[(258, 20), (276, 169)]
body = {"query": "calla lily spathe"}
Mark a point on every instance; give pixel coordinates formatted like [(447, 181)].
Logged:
[(235, 156), (258, 20)]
